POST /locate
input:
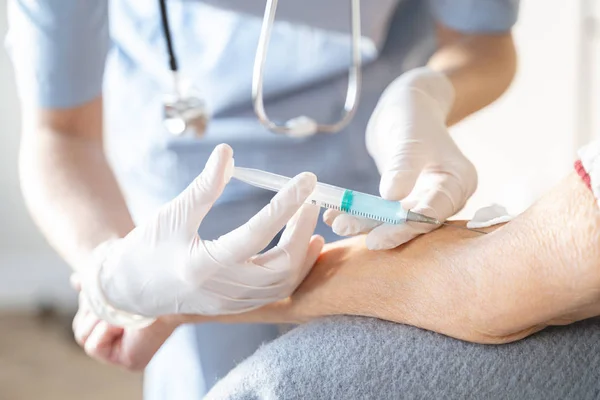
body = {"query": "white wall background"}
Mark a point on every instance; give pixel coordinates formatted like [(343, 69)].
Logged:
[(521, 145), (526, 141)]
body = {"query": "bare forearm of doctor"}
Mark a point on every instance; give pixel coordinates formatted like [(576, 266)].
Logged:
[(73, 195), (480, 67), (66, 180)]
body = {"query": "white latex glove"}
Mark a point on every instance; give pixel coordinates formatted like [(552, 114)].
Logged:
[(420, 164), (164, 267)]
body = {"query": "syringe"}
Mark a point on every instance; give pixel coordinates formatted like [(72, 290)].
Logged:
[(345, 200)]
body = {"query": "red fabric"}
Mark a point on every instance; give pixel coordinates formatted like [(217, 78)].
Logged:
[(583, 173)]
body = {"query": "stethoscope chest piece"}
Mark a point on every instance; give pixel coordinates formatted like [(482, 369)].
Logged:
[(189, 113), (185, 115)]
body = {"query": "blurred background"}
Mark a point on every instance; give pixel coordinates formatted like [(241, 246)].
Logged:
[(521, 146)]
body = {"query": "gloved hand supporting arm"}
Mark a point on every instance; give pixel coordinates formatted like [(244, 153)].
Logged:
[(408, 137)]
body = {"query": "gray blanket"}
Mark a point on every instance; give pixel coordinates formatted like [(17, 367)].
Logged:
[(362, 358)]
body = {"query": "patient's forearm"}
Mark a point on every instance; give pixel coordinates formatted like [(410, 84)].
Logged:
[(538, 269), (541, 267)]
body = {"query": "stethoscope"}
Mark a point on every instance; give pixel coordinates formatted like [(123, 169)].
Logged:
[(185, 112)]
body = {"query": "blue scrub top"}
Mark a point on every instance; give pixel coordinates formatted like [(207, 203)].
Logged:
[(67, 52)]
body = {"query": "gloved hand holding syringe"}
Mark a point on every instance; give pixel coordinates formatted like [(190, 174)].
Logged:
[(340, 199)]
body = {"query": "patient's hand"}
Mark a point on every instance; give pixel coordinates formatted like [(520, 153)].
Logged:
[(131, 349)]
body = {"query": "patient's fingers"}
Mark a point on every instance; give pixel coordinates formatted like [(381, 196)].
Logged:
[(102, 340), (84, 328)]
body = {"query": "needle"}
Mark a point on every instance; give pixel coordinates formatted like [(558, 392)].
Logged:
[(424, 219), (463, 227)]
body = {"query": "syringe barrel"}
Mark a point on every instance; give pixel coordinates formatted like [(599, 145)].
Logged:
[(327, 196), (373, 207), (324, 195), (261, 179), (358, 204)]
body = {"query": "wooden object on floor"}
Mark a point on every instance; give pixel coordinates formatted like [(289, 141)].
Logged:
[(40, 360)]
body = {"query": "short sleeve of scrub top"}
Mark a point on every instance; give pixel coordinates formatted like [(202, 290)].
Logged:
[(58, 49), (476, 16)]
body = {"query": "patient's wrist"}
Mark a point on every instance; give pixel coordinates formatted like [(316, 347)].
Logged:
[(280, 312)]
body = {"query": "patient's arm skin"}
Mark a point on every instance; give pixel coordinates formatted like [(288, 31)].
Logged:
[(540, 269)]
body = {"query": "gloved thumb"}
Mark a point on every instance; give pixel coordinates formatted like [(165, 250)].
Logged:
[(191, 206), (400, 175), (442, 200)]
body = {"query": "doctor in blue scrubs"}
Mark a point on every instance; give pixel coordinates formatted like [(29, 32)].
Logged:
[(112, 188)]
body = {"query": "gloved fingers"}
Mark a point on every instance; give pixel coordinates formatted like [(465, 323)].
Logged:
[(191, 206), (399, 159), (387, 236), (252, 237), (344, 224), (253, 274), (297, 236), (388, 122), (75, 281), (231, 291), (400, 175), (349, 225), (229, 297), (441, 201), (284, 261), (330, 215), (435, 203), (224, 275), (296, 276), (268, 269)]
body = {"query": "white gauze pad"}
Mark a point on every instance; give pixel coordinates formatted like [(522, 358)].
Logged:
[(489, 216)]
